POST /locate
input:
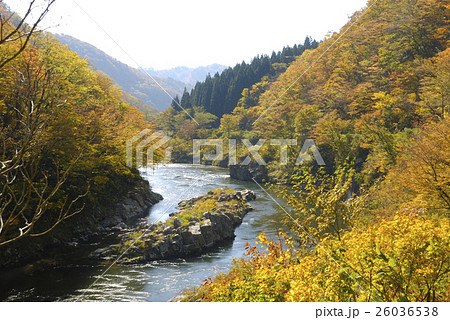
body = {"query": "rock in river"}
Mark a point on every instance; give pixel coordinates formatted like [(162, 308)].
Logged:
[(201, 224)]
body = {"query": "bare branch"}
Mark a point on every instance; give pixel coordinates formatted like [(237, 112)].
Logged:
[(22, 32)]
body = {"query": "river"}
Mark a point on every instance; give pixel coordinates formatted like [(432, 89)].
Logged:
[(158, 280)]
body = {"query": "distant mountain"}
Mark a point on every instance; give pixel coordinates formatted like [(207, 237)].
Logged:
[(190, 76), (133, 81)]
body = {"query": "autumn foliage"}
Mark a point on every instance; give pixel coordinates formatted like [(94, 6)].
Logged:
[(63, 129), (399, 259), (373, 225)]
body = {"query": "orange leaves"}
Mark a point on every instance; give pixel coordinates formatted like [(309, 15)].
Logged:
[(420, 179), (378, 55)]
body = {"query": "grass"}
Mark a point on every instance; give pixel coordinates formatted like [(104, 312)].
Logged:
[(208, 203)]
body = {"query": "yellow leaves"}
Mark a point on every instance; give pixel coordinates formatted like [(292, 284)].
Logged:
[(262, 238), (263, 277), (100, 181), (399, 252), (423, 170), (405, 258), (228, 125), (382, 100), (383, 74), (435, 86)]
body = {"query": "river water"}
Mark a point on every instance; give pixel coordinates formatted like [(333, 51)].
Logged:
[(158, 280)]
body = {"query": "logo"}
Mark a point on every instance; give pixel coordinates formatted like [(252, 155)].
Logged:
[(145, 144), (142, 148), (308, 148)]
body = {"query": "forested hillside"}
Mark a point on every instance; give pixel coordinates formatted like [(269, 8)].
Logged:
[(63, 129), (384, 78), (363, 96), (375, 98), (131, 80), (219, 94), (198, 114)]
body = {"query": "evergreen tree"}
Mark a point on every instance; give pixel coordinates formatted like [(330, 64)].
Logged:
[(186, 100), (219, 94), (175, 103)]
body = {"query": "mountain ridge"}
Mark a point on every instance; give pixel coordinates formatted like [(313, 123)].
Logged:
[(131, 80), (188, 75)]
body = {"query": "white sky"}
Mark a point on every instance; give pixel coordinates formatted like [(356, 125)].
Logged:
[(168, 33)]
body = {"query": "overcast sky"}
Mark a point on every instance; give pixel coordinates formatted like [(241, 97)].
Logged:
[(168, 33)]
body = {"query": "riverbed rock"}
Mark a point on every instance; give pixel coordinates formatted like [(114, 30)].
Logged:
[(176, 223), (249, 172), (192, 237)]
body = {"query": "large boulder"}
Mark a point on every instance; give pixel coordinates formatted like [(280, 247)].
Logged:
[(249, 172)]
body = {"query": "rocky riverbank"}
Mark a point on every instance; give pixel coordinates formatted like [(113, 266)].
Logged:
[(95, 222), (200, 224)]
